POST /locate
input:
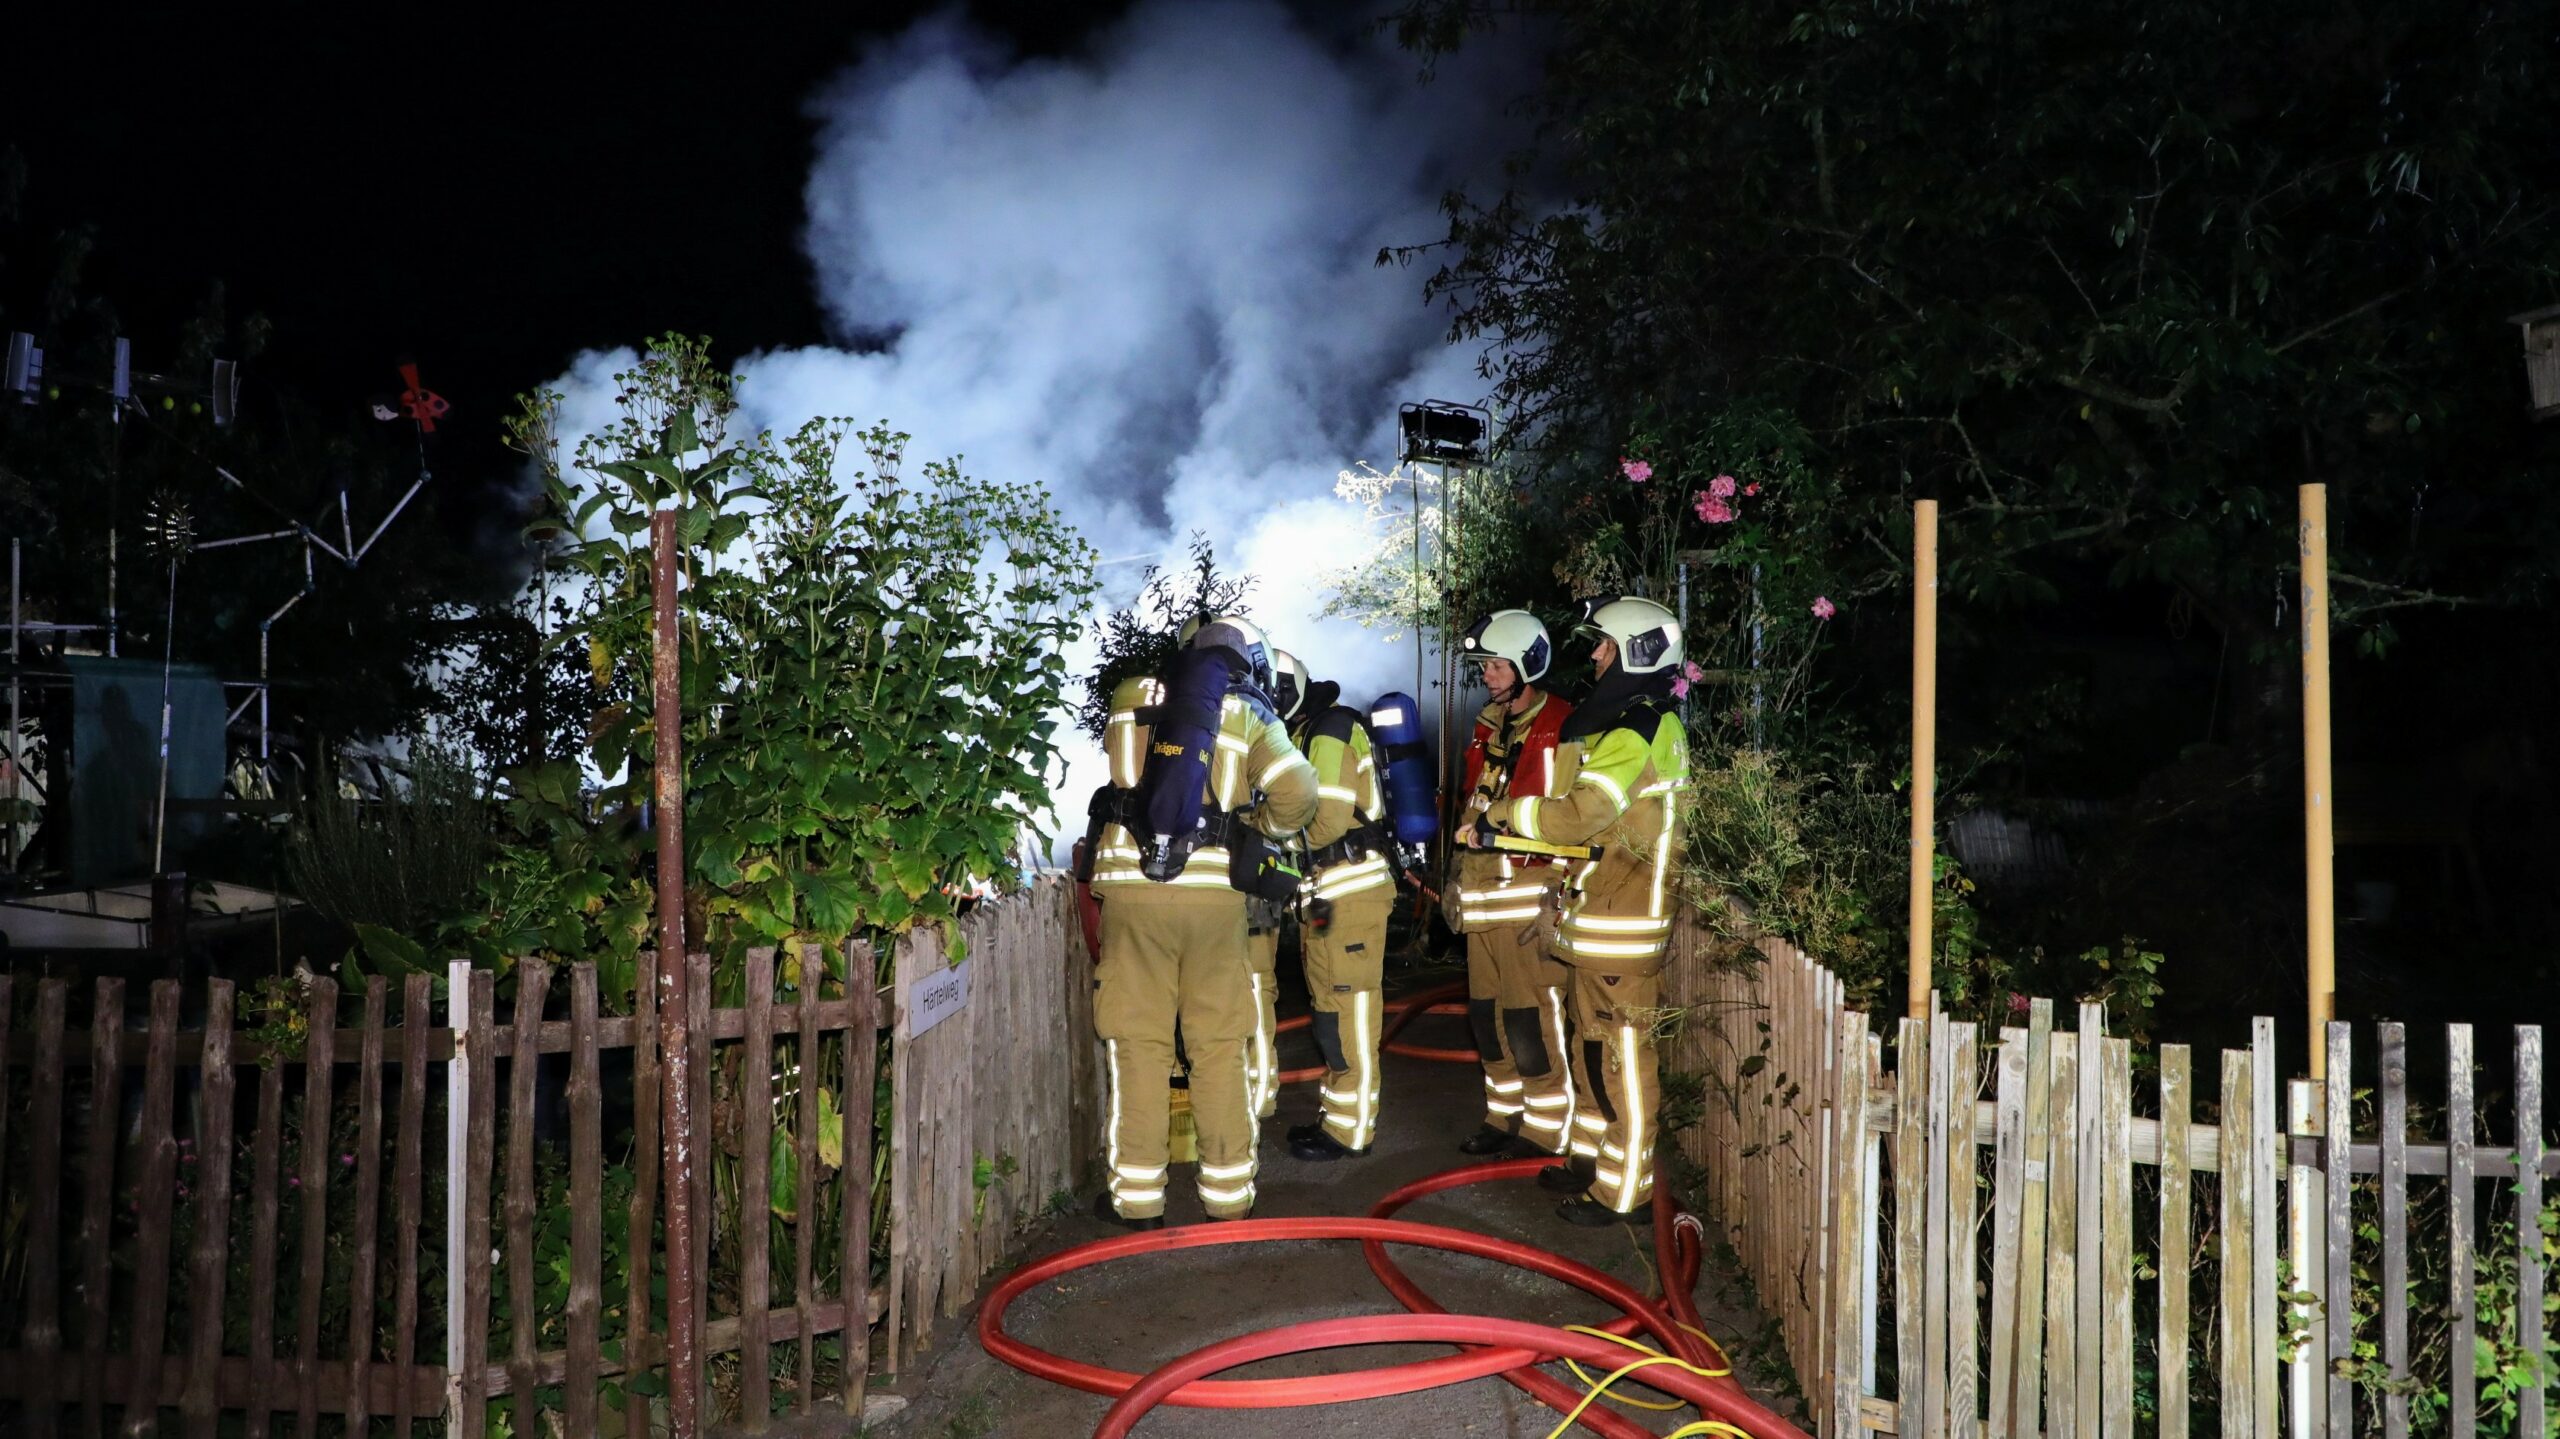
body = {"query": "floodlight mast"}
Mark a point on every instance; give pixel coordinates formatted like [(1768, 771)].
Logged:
[(1454, 438)]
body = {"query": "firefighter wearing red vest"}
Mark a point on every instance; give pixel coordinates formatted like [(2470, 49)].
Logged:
[(1515, 988), (1174, 950), (1622, 760), (1350, 891)]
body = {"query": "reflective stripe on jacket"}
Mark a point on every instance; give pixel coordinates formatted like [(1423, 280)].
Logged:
[(1619, 789)]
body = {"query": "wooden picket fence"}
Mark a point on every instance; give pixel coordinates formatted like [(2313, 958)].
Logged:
[(1011, 1081), (140, 1273), (1979, 1205)]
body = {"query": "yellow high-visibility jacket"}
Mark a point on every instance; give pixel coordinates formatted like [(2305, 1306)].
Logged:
[(1348, 796), (1254, 753), (1619, 789)]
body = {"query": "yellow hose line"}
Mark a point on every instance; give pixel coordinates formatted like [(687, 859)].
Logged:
[(1642, 1348), (1708, 1426), (1621, 1372)]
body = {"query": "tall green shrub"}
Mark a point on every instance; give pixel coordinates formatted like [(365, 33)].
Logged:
[(872, 676)]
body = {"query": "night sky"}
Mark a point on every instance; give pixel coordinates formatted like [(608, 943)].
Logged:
[(483, 199)]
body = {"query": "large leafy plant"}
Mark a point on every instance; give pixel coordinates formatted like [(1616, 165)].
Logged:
[(871, 675)]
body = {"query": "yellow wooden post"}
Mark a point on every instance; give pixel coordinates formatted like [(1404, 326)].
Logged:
[(2318, 796), (1924, 745)]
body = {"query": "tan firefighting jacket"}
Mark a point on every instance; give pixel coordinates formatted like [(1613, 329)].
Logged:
[(1619, 789)]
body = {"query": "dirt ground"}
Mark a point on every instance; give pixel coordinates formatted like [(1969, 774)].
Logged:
[(1137, 1315)]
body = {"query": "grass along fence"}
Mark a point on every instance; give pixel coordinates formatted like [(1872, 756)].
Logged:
[(2027, 1233), (269, 1227)]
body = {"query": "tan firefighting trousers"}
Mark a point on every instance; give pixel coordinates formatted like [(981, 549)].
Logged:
[(1345, 969), (1517, 994), (1615, 1067), (1261, 1056), (1171, 953)]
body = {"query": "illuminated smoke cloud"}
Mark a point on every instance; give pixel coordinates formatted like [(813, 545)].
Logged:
[(1144, 277)]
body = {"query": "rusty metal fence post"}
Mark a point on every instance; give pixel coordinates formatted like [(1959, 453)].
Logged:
[(684, 1312)]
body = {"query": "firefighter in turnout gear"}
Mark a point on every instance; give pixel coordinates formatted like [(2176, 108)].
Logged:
[(1350, 891), (1174, 948), (1266, 920), (1515, 988), (1621, 764)]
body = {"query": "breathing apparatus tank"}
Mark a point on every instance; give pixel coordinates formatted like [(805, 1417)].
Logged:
[(1166, 817), (1396, 723)]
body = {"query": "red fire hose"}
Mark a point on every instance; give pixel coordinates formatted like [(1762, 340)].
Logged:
[(1502, 1346), (1538, 1341), (1312, 1389), (1676, 1247)]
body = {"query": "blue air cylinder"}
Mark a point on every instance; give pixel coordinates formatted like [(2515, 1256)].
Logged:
[(1175, 774), (1396, 722)]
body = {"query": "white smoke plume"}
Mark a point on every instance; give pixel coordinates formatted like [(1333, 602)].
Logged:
[(1143, 277)]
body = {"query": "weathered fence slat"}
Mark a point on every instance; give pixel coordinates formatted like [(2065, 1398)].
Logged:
[(1964, 1253), (698, 1075), (2177, 1217), (2115, 1202), (1849, 1122), (755, 1200), (2337, 1128), (264, 1219), (406, 1181), (159, 1153), (2238, 1243), (1910, 1224), (209, 1266), (480, 1131), (1942, 1110), (902, 1160), (2089, 1390), (2457, 1207), (638, 1341), (5, 987), (861, 1049), (2266, 1232), (2009, 1106), (97, 1241), (360, 1279), (586, 1203), (2062, 1240), (804, 1205), (2529, 1337), (533, 988), (2305, 1208), (44, 1210), (319, 1066), (2393, 1055), (2035, 1168)]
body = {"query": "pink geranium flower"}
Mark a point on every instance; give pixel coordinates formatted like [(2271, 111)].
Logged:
[(1823, 608), (1722, 487), (1712, 509), (1636, 471), (1680, 687), (1752, 488)]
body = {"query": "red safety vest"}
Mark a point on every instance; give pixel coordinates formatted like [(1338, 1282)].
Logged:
[(1534, 767)]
